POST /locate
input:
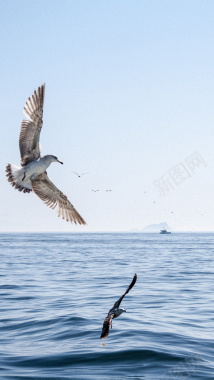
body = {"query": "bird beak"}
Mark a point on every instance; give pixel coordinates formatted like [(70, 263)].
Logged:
[(60, 162), (124, 310)]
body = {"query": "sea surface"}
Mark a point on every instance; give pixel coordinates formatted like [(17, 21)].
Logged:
[(56, 289)]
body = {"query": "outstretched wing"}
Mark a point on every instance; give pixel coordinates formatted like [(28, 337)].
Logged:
[(117, 303), (106, 326), (52, 197), (30, 129)]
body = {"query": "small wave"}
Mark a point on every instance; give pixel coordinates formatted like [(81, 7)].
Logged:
[(72, 359), (9, 286)]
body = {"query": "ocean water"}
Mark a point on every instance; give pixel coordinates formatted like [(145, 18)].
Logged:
[(56, 289)]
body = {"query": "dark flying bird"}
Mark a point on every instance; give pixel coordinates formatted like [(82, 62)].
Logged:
[(115, 311), (80, 175), (32, 175)]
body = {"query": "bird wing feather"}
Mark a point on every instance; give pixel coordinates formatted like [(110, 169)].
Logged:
[(106, 326), (30, 129), (118, 302), (52, 197)]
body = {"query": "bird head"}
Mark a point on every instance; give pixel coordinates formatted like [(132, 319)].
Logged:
[(55, 159), (119, 312)]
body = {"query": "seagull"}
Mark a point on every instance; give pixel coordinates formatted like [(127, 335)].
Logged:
[(108, 190), (115, 311), (32, 175), (95, 191), (80, 175)]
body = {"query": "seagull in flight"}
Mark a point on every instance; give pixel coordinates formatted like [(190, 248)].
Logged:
[(80, 175), (32, 175), (115, 311)]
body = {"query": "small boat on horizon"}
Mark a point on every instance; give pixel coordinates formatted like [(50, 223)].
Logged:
[(164, 231)]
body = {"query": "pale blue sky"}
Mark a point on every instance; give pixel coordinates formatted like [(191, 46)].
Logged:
[(129, 95)]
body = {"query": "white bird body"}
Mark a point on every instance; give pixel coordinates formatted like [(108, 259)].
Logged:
[(38, 166), (35, 168), (24, 175)]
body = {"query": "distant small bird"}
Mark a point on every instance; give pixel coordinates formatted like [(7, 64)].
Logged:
[(95, 190), (80, 175), (108, 190), (115, 311), (32, 175)]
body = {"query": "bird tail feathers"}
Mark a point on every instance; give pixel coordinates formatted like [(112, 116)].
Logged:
[(15, 175)]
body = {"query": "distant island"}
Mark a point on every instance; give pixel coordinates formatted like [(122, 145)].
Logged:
[(157, 227)]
